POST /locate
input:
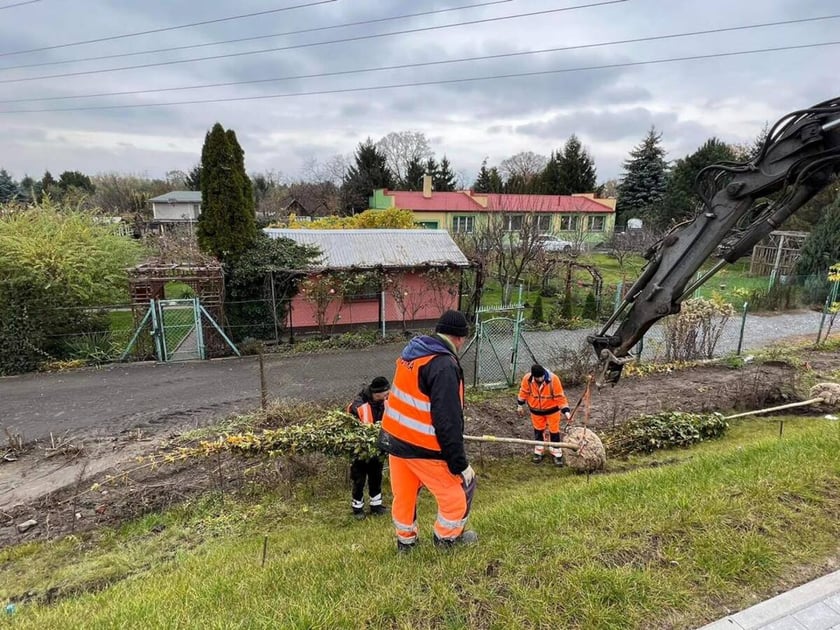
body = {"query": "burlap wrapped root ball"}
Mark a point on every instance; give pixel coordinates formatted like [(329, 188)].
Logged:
[(591, 455), (829, 392)]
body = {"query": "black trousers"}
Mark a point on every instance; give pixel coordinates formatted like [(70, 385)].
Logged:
[(366, 469)]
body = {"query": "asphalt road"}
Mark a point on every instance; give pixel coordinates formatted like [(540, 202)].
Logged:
[(118, 398)]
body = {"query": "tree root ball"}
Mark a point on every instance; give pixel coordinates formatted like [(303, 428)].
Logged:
[(591, 454), (829, 392)]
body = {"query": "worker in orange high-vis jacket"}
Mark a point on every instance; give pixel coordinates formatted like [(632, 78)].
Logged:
[(368, 407), (543, 394), (423, 434)]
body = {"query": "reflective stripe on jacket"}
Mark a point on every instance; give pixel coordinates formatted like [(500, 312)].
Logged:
[(543, 398), (408, 415)]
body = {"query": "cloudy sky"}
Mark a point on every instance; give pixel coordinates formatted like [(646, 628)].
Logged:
[(283, 124)]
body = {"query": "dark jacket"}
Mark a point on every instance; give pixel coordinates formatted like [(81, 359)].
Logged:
[(441, 379), (365, 397)]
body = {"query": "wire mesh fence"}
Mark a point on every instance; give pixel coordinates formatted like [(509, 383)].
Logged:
[(757, 314)]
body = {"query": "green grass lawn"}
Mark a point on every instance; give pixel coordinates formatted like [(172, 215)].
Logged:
[(651, 545)]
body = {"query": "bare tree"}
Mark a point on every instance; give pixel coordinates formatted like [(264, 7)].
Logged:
[(524, 167), (514, 239), (401, 148), (332, 170), (409, 301), (478, 249)]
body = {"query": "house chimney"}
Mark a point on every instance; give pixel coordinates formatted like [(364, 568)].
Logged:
[(427, 186)]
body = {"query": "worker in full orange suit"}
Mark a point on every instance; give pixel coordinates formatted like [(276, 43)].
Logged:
[(423, 434), (542, 392)]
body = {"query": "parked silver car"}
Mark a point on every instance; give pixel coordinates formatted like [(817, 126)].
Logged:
[(550, 243)]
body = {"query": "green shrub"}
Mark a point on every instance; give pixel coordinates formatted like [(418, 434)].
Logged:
[(664, 430), (590, 307), (94, 348), (537, 311), (566, 308)]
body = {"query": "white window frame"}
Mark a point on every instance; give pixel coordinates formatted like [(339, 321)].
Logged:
[(463, 224), (569, 222), (600, 220)]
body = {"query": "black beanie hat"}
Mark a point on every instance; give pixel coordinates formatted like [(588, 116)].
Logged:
[(537, 371), (453, 323), (379, 384)]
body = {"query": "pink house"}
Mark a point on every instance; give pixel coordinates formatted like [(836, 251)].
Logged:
[(388, 279)]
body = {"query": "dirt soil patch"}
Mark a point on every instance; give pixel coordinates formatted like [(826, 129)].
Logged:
[(57, 489)]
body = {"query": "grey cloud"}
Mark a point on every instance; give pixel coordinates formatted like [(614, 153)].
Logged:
[(603, 125)]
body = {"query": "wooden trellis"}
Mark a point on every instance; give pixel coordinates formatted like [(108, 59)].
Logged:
[(148, 282), (777, 254)]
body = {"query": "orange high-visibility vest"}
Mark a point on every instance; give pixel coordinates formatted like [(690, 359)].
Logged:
[(545, 398), (408, 411), (363, 411)]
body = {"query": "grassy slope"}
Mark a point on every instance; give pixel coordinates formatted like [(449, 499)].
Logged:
[(653, 546)]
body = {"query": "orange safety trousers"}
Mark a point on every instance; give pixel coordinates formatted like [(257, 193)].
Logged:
[(454, 499), (541, 423)]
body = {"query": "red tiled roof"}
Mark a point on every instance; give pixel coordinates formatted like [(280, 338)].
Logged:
[(464, 201), (438, 202), (543, 203)]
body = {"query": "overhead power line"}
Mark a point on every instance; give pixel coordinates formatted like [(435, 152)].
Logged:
[(372, 88), (239, 40), (313, 44), (421, 64), (231, 18), (18, 4)]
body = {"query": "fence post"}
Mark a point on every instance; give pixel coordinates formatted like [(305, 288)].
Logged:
[(741, 333), (829, 300), (274, 311), (641, 346), (618, 291)]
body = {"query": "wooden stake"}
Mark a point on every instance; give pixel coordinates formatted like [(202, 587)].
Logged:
[(804, 403), (263, 388), (265, 549), (493, 438)]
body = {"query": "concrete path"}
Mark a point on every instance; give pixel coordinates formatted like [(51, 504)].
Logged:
[(812, 606)]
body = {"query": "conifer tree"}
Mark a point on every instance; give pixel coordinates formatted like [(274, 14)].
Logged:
[(645, 177), (368, 172), (577, 169), (414, 172), (227, 225), (444, 179)]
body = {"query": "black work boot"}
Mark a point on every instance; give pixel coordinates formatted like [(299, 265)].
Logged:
[(466, 538), (537, 458), (405, 547), (359, 513), (378, 510), (558, 461)]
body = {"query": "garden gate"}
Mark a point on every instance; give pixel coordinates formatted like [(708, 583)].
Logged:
[(492, 355), (177, 330)]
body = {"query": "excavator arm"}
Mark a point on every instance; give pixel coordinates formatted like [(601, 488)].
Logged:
[(799, 158)]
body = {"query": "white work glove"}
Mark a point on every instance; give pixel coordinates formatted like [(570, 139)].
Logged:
[(468, 475), (568, 417), (520, 410)]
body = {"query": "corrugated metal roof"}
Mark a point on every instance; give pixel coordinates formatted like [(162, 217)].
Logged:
[(179, 196), (366, 249)]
